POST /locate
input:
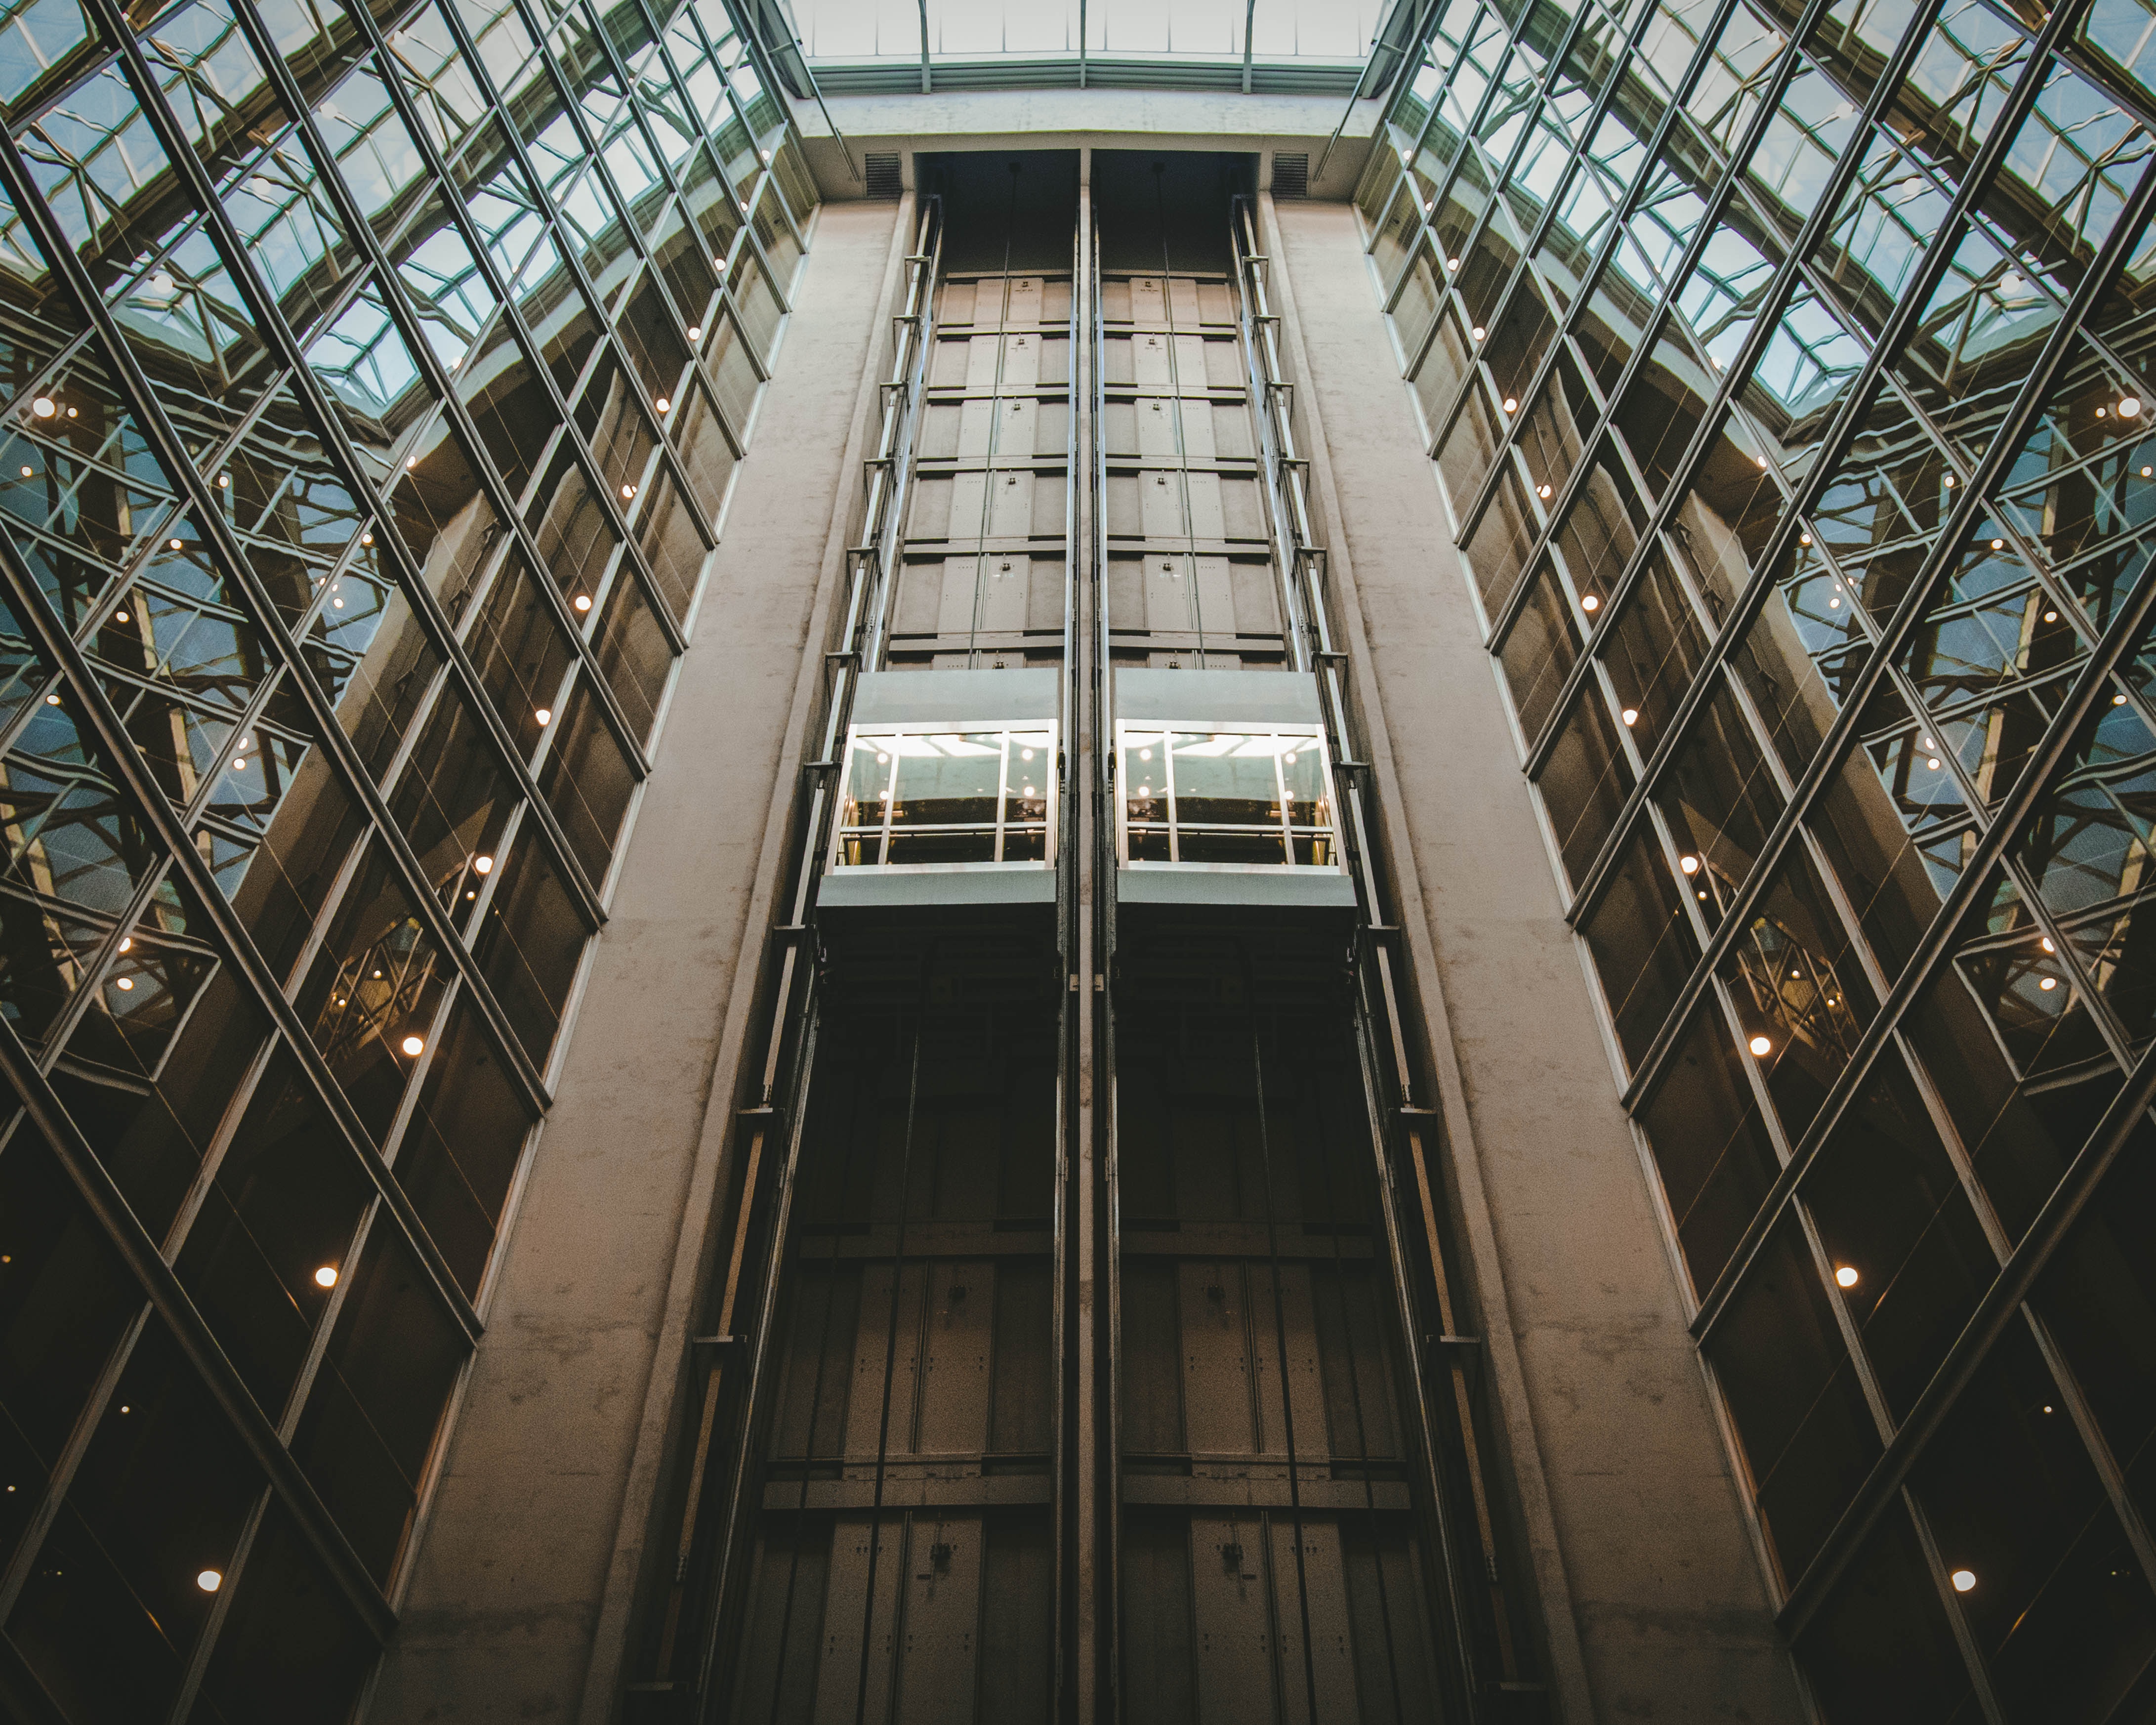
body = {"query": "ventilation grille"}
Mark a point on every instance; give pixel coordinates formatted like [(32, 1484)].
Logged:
[(1291, 174), (883, 178)]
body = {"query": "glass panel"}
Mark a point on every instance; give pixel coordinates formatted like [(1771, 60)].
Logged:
[(1806, 1435), (1643, 945), (1711, 1146)]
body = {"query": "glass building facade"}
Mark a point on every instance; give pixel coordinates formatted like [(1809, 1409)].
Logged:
[(372, 381), (1787, 373)]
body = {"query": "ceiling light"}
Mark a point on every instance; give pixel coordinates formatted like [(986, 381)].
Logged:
[(29, 473), (1761, 459), (1590, 603), (1690, 865), (2118, 700), (1478, 332), (2128, 406), (664, 405), (1761, 1045), (628, 492), (208, 1580), (543, 715), (44, 406), (412, 1044), (126, 984), (1542, 492), (695, 332), (127, 941), (483, 864), (325, 1277), (175, 545), (1845, 1276), (1803, 539), (1631, 715), (1964, 1580), (2050, 616), (582, 602), (1512, 405), (1950, 482), (2048, 983), (2048, 947), (1452, 263), (1999, 545)]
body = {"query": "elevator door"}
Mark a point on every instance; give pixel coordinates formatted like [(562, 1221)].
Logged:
[(903, 1567)]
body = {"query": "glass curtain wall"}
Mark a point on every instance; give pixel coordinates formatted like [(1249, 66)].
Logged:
[(371, 383), (1786, 371)]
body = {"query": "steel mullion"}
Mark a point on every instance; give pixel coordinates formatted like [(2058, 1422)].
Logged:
[(213, 1368), (1857, 399), (199, 502), (239, 948), (1621, 207), (1891, 635), (2113, 649), (508, 317), (59, 650), (38, 1526), (571, 260), (1726, 192), (580, 122), (1995, 1311), (271, 323)]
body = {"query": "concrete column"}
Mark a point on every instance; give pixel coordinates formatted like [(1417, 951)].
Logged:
[(518, 1600), (1645, 1562)]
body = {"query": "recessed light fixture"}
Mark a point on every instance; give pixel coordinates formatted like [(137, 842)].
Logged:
[(1847, 1277), (208, 1580), (1690, 865), (44, 406), (1964, 1580), (582, 602), (1631, 715), (483, 864), (325, 1277), (664, 405), (1512, 405), (2128, 406), (412, 1044), (1590, 603), (1762, 1045), (1478, 332), (2048, 983)]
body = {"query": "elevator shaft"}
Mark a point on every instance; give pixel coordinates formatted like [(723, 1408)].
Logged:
[(1072, 1361)]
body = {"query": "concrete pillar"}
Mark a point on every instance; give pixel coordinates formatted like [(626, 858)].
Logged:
[(516, 1604), (1645, 1565)]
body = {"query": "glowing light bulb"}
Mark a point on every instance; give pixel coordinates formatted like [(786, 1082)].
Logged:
[(2048, 983), (665, 406), (1690, 865), (628, 492), (2050, 616), (44, 407), (695, 332), (325, 1277), (1762, 1045), (175, 545), (1931, 763), (366, 539), (1512, 405), (543, 715), (1478, 332), (412, 1044), (483, 864), (1452, 263), (125, 984), (1761, 459), (126, 943), (411, 462), (1590, 603), (2118, 700), (2128, 406), (1631, 715), (2048, 947), (208, 1580), (29, 473), (1950, 482), (1964, 1580), (1803, 539), (120, 617), (1999, 545), (582, 602), (1542, 492), (1847, 1277), (52, 701)]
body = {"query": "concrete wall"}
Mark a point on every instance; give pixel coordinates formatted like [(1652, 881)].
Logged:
[(516, 1604), (1645, 1562)]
